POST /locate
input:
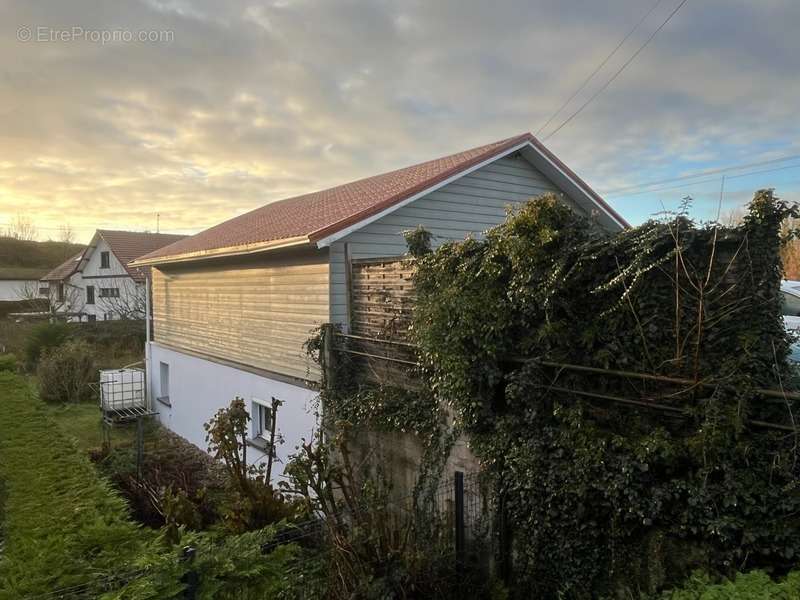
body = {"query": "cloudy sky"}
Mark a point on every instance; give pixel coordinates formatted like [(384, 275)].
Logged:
[(225, 106)]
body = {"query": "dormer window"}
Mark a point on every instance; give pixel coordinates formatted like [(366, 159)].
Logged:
[(105, 260)]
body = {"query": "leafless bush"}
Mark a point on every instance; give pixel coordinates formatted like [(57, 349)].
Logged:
[(65, 373)]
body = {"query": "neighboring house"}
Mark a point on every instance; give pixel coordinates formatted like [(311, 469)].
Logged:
[(15, 283), (233, 305), (99, 283)]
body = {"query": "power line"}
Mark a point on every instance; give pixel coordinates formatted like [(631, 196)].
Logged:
[(636, 192), (617, 73), (598, 68), (715, 171)]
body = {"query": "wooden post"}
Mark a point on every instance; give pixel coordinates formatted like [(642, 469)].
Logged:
[(328, 358), (348, 282)]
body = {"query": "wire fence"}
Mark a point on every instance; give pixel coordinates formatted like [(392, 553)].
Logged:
[(450, 522)]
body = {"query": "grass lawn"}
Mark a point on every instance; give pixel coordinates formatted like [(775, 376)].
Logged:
[(83, 422), (63, 525)]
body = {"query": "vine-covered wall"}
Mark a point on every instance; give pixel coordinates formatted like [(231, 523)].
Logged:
[(623, 394), (613, 482)]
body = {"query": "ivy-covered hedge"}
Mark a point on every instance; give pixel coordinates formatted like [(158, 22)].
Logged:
[(603, 495), (64, 526)]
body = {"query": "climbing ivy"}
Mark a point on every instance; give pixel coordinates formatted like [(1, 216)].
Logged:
[(603, 496)]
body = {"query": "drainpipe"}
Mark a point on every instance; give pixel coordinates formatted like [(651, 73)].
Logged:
[(148, 399)]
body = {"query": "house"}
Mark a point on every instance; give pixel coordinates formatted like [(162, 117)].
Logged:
[(18, 283), (99, 283), (234, 304)]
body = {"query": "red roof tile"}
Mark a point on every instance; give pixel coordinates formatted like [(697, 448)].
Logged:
[(319, 214), (129, 245), (126, 246), (65, 269)]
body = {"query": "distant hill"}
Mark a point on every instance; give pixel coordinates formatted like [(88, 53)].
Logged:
[(31, 260)]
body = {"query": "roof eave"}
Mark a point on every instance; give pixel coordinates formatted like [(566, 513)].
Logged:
[(242, 250)]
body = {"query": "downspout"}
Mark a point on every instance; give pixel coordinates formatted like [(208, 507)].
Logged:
[(147, 308)]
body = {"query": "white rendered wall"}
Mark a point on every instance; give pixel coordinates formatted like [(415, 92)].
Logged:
[(114, 276), (198, 388)]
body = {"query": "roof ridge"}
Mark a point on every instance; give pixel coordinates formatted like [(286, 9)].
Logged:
[(313, 216)]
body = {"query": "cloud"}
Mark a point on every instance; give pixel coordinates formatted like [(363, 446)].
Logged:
[(252, 102)]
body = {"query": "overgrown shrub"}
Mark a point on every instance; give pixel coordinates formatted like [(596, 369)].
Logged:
[(755, 585), (611, 483), (42, 337), (180, 484), (119, 340), (377, 547), (8, 362), (219, 567), (65, 372), (254, 502)]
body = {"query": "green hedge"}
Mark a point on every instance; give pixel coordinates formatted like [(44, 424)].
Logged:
[(755, 585), (64, 525)]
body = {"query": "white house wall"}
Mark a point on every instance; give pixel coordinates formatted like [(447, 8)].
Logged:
[(469, 205), (92, 274), (199, 387)]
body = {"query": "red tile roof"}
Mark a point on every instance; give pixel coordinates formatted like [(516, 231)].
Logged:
[(126, 246), (319, 214), (65, 269), (129, 245)]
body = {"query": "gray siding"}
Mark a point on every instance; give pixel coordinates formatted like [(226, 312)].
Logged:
[(469, 205)]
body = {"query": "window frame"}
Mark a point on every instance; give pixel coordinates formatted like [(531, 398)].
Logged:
[(105, 259), (790, 300), (262, 419), (89, 294)]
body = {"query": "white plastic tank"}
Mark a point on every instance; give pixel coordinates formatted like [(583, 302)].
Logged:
[(122, 389)]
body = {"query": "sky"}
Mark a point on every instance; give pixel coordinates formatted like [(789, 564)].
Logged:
[(114, 112)]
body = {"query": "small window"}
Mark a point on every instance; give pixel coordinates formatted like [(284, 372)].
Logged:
[(89, 294), (60, 293), (163, 389), (791, 305), (109, 292), (43, 291), (105, 260), (262, 420), (91, 318), (109, 316)]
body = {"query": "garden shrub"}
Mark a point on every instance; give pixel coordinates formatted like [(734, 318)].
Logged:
[(65, 372), (8, 362), (42, 337), (755, 585), (117, 342), (174, 473), (253, 501), (221, 567)]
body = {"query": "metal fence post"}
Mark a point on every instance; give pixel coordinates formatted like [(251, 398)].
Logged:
[(139, 447), (190, 577), (504, 535), (458, 489)]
